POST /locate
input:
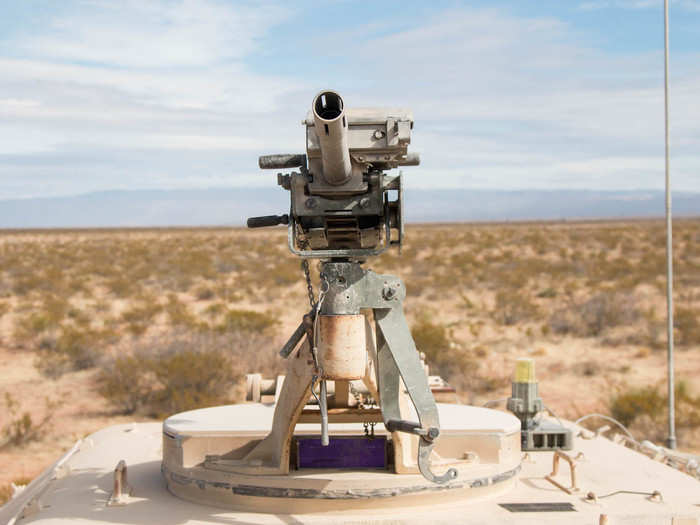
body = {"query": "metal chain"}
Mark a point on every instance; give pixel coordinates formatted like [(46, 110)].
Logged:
[(309, 286), (304, 244)]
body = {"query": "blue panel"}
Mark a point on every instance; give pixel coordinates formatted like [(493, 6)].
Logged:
[(342, 452)]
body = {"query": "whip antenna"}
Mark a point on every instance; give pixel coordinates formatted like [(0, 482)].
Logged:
[(671, 441)]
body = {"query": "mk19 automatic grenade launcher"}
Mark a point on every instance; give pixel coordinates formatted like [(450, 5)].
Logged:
[(342, 212), (340, 195)]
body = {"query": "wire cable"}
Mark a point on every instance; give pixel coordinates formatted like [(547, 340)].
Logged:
[(553, 413), (607, 418), (494, 401)]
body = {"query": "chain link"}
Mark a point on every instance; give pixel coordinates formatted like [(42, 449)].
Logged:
[(309, 286), (304, 244)]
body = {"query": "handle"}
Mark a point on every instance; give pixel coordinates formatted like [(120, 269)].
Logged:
[(281, 161), (400, 425), (267, 220)]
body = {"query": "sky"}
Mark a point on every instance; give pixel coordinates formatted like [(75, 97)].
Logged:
[(99, 95)]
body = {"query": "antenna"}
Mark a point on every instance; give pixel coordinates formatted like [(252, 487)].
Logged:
[(671, 441)]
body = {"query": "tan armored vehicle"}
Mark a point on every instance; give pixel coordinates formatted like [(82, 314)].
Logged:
[(352, 433)]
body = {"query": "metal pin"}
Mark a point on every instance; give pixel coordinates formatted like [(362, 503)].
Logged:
[(323, 405)]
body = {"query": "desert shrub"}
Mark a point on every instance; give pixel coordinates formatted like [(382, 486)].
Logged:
[(591, 317), (74, 349), (38, 321), (479, 375), (55, 308), (122, 285), (431, 338), (687, 323), (140, 316), (643, 352), (178, 313), (191, 378), (627, 405), (247, 321), (287, 272), (79, 317), (30, 326), (547, 293), (513, 306), (188, 370), (214, 310), (441, 354), (587, 368), (22, 428), (650, 404), (7, 490), (126, 382), (204, 293)]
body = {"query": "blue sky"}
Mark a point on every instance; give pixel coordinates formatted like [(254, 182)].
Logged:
[(99, 95)]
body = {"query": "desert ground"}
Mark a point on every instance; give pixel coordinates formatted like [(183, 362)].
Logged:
[(108, 326)]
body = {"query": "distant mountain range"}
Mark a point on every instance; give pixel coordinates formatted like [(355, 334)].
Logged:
[(231, 206)]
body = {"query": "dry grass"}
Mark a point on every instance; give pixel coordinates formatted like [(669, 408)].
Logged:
[(6, 490), (23, 427)]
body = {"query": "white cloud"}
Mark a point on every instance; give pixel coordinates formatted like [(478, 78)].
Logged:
[(154, 34), (537, 93), (164, 75), (688, 5), (162, 94)]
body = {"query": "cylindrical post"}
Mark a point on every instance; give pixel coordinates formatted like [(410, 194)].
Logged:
[(671, 441), (323, 407), (342, 346)]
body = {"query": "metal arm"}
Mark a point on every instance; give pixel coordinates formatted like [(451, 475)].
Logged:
[(397, 353)]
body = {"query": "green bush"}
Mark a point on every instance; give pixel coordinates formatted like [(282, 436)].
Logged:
[(176, 380), (628, 405), (127, 383), (513, 307), (186, 371), (247, 321), (435, 341), (178, 313), (21, 427), (191, 379), (74, 349), (687, 323), (139, 317), (590, 318), (204, 293), (432, 339)]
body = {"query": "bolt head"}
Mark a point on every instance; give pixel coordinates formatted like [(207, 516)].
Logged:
[(311, 203), (388, 293)]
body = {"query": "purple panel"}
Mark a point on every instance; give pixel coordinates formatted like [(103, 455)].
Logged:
[(342, 452)]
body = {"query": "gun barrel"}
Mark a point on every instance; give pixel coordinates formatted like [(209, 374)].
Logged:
[(332, 131)]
